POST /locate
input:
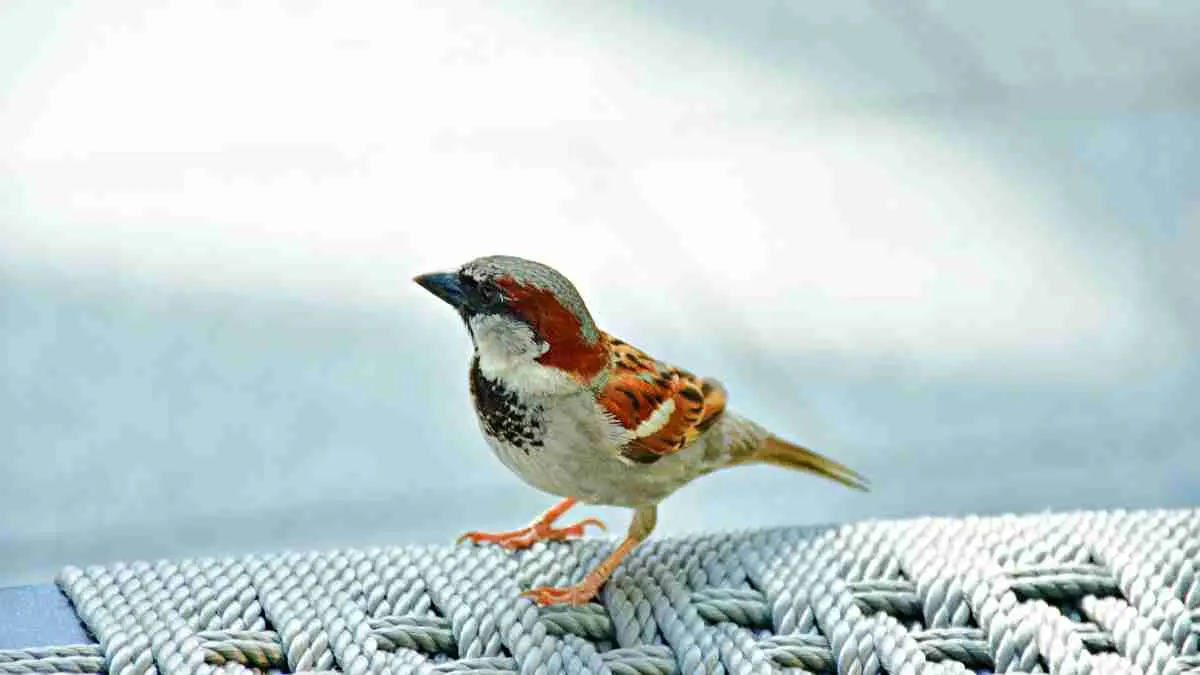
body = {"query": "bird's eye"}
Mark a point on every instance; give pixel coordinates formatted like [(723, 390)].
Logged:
[(491, 294)]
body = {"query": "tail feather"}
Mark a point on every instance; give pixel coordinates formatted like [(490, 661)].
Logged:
[(779, 452)]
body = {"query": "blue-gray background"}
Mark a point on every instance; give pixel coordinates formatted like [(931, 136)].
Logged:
[(953, 245)]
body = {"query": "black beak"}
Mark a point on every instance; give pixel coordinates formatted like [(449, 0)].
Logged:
[(446, 286)]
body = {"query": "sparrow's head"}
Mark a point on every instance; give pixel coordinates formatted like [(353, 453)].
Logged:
[(520, 313)]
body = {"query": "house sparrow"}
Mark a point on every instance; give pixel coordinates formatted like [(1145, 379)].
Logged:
[(577, 413)]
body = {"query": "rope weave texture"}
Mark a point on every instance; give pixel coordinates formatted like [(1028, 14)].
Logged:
[(1074, 593)]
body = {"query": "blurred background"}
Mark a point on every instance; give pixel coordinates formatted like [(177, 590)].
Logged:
[(952, 245)]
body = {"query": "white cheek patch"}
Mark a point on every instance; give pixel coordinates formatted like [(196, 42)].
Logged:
[(502, 342), (508, 350)]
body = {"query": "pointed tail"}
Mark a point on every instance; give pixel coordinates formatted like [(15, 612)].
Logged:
[(779, 452)]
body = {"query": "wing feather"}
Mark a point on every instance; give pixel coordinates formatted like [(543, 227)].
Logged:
[(663, 408)]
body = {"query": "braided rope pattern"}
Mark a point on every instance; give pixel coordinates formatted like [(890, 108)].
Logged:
[(1073, 593)]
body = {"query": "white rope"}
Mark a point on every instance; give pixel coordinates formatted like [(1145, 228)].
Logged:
[(1085, 593)]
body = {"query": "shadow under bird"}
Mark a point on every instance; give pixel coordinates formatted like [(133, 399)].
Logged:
[(580, 414)]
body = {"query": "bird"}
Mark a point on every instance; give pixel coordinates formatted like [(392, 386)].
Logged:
[(585, 416)]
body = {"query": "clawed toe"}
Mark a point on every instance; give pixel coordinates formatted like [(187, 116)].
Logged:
[(569, 595), (476, 537), (524, 538), (572, 531)]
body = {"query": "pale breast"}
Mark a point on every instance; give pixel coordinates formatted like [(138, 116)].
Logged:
[(565, 445)]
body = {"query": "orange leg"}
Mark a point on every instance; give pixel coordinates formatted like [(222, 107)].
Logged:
[(583, 592), (541, 530)]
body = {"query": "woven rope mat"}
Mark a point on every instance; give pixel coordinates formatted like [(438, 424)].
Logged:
[(1088, 592)]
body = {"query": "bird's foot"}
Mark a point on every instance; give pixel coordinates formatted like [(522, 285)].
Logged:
[(528, 536), (579, 594), (583, 592)]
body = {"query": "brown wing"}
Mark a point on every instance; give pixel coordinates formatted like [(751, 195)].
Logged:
[(663, 407)]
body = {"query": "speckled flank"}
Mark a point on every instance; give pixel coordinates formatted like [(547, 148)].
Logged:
[(503, 414), (581, 459)]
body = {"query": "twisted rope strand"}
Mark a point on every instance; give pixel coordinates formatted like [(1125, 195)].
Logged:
[(1085, 593)]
